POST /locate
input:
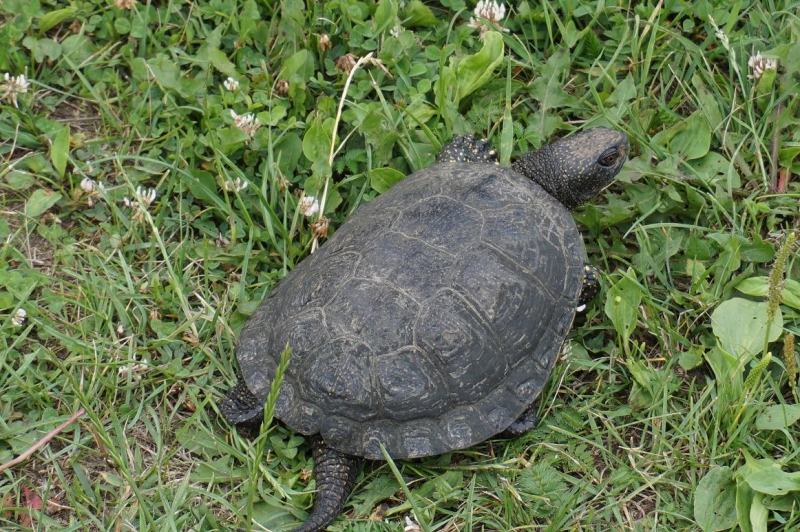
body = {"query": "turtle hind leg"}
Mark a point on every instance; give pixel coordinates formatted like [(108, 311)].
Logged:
[(524, 423), (467, 149), (336, 475), (241, 408)]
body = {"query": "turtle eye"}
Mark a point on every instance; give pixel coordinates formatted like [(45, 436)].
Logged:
[(609, 157)]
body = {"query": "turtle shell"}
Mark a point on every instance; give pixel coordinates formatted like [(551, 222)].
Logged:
[(429, 321)]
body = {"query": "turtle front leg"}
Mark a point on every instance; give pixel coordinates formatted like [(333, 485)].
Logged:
[(466, 149), (241, 408), (591, 286), (336, 475)]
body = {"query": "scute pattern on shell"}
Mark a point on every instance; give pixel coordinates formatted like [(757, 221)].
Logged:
[(429, 321)]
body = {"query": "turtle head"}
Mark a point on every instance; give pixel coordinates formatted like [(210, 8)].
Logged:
[(575, 169)]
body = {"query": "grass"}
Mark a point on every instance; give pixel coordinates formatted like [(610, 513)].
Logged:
[(652, 419)]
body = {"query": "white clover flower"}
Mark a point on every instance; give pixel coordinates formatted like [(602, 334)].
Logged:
[(144, 198), (487, 16), (120, 329), (136, 369), (231, 84), (87, 185), (19, 317), (309, 205), (146, 195), (759, 64), (124, 4), (247, 123), (411, 525), (237, 185), (12, 86), (395, 32), (320, 227), (346, 63), (324, 42)]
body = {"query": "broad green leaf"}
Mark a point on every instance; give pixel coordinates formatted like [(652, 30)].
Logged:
[(301, 63), (219, 60), (715, 500), (317, 145), (272, 117), (272, 515), (165, 71), (782, 503), (122, 25), (382, 179), (759, 286), (231, 137), (758, 251), (792, 66), (19, 180), (416, 14), (772, 481), (548, 87), (713, 167), (287, 153), (475, 70), (726, 367), (777, 417), (59, 151), (690, 359), (385, 16), (710, 105), (446, 93), (758, 514), (40, 201), (765, 83), (203, 187), (625, 91), (379, 489), (622, 304), (744, 501), (317, 140), (740, 325), (54, 18), (78, 48), (43, 48), (692, 137)]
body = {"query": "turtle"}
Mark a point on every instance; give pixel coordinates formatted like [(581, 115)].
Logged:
[(431, 319)]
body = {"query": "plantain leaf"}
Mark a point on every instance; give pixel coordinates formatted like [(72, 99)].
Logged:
[(715, 500), (475, 70), (59, 151)]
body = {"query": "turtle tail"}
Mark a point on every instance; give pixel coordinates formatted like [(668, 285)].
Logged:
[(336, 475)]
